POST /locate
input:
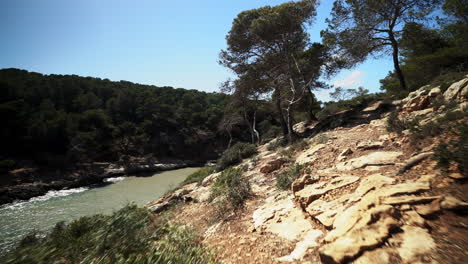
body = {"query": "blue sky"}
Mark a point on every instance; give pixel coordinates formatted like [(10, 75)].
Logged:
[(165, 43)]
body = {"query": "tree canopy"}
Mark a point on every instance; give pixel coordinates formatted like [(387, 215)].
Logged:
[(358, 28)]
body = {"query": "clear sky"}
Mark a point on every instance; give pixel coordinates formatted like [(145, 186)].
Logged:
[(165, 43)]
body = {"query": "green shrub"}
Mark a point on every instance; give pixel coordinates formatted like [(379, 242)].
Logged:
[(434, 128), (232, 186), (287, 177), (394, 124), (455, 151), (321, 138), (280, 142), (199, 175), (235, 154), (130, 235)]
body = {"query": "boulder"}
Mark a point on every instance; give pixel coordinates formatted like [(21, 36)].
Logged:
[(299, 184), (344, 154), (272, 166), (458, 88)]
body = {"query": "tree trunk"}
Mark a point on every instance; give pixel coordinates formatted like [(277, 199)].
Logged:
[(246, 119), (281, 116), (230, 139), (396, 63), (312, 116), (253, 127), (291, 133)]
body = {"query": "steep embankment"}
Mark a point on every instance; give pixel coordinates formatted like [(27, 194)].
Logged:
[(364, 195)]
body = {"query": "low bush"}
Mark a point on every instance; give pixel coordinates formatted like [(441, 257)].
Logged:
[(287, 177), (455, 151), (199, 175), (436, 127), (130, 235), (232, 186), (235, 154), (395, 124), (280, 142)]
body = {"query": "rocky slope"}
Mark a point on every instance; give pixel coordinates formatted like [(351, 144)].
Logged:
[(367, 196)]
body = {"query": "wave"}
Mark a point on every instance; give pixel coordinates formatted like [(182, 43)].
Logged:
[(114, 179), (45, 197)]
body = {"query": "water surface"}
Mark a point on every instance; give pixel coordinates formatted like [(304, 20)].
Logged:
[(42, 213)]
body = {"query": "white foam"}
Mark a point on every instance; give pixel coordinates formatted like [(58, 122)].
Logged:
[(45, 197), (114, 180)]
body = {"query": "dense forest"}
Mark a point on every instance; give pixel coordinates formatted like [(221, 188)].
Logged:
[(57, 119)]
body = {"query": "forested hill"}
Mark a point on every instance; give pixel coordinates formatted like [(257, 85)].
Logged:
[(56, 120)]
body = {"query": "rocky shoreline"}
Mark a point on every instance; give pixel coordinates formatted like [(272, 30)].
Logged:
[(92, 174)]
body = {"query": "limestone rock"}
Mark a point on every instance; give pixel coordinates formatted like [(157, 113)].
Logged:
[(414, 219), (210, 179), (299, 184), (407, 199), (352, 244), (370, 145), (451, 93), (313, 191), (428, 209), (373, 159), (309, 241), (308, 155), (416, 244), (434, 92), (456, 176), (380, 256), (344, 153), (272, 166), (405, 188), (452, 203), (373, 107)]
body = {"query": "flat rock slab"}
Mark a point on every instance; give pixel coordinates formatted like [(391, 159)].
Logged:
[(309, 155), (352, 244), (310, 240), (314, 191), (416, 244), (373, 159), (407, 199), (279, 216)]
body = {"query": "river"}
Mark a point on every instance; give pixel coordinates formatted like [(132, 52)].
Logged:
[(42, 213)]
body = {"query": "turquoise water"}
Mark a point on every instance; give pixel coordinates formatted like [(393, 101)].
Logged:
[(42, 213)]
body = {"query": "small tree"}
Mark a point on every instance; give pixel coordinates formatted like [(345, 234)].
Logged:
[(362, 27)]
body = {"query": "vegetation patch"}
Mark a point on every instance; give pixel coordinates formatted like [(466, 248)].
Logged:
[(234, 155), (199, 175), (280, 142), (232, 187), (130, 235), (454, 152), (287, 177)]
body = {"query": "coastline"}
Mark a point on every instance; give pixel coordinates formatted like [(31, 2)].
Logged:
[(86, 176)]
